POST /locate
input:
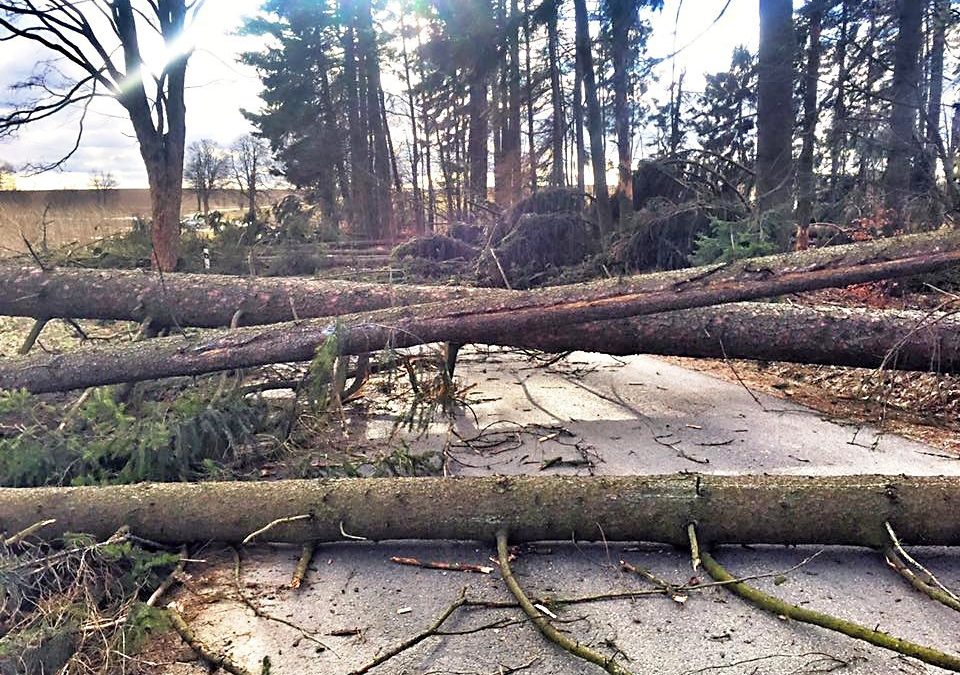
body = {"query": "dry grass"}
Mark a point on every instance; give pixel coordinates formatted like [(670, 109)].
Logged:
[(55, 227), (59, 218)]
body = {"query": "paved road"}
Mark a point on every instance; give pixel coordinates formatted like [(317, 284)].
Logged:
[(599, 415)]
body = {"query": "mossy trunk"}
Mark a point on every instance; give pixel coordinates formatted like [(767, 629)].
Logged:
[(487, 318), (835, 510)]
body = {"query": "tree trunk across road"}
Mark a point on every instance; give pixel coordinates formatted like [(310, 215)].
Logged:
[(836, 510), (484, 319), (838, 336)]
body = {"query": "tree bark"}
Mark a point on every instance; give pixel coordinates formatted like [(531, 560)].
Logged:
[(806, 187), (162, 149), (485, 319), (199, 300), (939, 16), (835, 510), (622, 19), (764, 331), (558, 125), (594, 121), (775, 116), (837, 336), (905, 92)]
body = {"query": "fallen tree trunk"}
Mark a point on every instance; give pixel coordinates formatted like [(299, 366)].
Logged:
[(212, 300), (485, 319), (835, 510), (866, 338), (201, 300)]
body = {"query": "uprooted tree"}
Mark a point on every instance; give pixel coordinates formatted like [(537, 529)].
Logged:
[(899, 339), (486, 319), (99, 52)]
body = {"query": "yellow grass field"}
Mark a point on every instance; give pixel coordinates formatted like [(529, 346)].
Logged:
[(63, 217)]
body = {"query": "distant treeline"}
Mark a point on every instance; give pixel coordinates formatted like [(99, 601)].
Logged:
[(131, 201)]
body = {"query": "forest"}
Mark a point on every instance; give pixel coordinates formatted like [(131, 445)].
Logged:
[(499, 341), (840, 118)]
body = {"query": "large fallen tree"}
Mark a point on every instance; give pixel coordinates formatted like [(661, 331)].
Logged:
[(483, 319), (212, 300), (841, 510), (840, 336), (201, 300)]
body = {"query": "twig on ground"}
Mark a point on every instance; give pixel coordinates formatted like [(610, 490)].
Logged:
[(279, 521), (214, 659), (440, 565), (736, 374), (171, 579), (695, 559), (32, 336), (27, 531), (930, 579), (769, 603), (540, 621), (306, 555), (416, 639), (897, 563), (258, 611)]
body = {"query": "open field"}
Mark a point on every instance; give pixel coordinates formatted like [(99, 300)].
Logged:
[(61, 217)]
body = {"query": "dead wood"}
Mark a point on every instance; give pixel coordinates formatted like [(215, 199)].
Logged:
[(201, 300), (781, 608), (488, 318), (836, 510), (574, 647), (211, 300), (839, 336)]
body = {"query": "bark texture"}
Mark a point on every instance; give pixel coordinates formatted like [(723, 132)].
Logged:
[(834, 510), (485, 319), (866, 338), (594, 116), (905, 92), (201, 300), (775, 118)]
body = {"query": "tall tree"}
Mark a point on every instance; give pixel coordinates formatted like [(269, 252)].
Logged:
[(805, 175), (594, 120), (905, 94), (97, 50), (623, 19), (557, 121), (415, 161), (381, 215), (933, 140), (775, 116)]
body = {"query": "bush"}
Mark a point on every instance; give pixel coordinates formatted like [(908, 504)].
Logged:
[(731, 240), (179, 439)]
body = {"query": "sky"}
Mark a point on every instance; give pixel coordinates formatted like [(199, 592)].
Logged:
[(218, 87)]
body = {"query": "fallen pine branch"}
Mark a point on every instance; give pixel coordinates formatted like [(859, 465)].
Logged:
[(485, 319), (769, 603), (568, 644), (827, 510)]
